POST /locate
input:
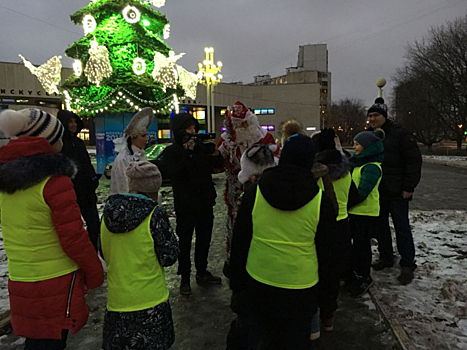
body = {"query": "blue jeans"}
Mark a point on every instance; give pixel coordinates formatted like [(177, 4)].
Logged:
[(399, 210)]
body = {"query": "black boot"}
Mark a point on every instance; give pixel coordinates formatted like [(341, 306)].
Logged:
[(185, 288), (207, 277)]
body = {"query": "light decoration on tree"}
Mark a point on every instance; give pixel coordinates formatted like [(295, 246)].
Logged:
[(48, 74), (176, 104), (89, 24), (78, 68), (131, 14), (164, 69), (166, 32), (98, 66), (189, 81), (139, 66), (158, 3)]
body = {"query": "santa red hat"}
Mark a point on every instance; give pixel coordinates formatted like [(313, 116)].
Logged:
[(242, 113)]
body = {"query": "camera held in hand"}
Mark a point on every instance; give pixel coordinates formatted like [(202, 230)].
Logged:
[(203, 142)]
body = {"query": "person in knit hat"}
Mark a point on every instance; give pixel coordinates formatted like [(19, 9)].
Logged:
[(401, 174), (366, 175), (283, 241), (51, 261), (137, 243)]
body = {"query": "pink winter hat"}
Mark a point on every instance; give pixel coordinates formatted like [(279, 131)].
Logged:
[(143, 177)]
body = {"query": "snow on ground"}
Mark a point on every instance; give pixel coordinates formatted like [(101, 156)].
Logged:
[(457, 161), (433, 308)]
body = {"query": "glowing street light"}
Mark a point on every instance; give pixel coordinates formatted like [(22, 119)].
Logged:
[(208, 71)]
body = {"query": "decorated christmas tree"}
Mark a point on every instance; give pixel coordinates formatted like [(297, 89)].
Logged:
[(122, 63)]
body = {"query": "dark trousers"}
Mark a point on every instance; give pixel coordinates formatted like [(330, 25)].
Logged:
[(88, 207), (362, 229), (47, 344), (259, 330), (399, 210), (200, 221)]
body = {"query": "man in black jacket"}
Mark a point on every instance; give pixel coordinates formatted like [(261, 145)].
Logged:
[(86, 181), (284, 241), (189, 166), (401, 174)]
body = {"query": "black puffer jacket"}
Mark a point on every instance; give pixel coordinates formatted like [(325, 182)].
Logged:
[(85, 181), (288, 188), (189, 171), (402, 162)]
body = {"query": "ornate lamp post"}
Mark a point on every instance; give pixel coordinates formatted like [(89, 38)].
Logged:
[(209, 76), (380, 83)]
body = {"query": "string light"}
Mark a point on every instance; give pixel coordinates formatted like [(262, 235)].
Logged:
[(78, 68), (139, 66), (89, 24), (98, 66), (176, 104), (48, 74), (164, 70), (131, 14)]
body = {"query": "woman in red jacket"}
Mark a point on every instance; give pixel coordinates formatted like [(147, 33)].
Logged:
[(51, 261)]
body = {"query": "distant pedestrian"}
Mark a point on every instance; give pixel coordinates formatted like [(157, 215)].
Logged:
[(401, 174), (85, 181), (130, 148), (138, 242), (283, 242), (366, 174), (51, 261)]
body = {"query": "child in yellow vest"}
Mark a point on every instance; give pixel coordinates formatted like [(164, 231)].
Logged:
[(138, 242), (366, 174)]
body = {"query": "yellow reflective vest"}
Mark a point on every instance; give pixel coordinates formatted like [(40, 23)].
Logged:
[(135, 278), (283, 252), (341, 189), (370, 206), (31, 242)]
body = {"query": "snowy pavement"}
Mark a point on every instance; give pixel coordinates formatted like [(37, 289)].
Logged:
[(433, 308)]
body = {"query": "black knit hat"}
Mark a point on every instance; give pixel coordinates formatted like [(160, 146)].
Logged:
[(379, 107), (298, 150)]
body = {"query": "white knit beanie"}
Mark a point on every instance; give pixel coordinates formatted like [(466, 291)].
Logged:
[(30, 122), (143, 177)]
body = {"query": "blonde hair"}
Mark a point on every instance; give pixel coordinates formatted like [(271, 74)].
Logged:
[(289, 128)]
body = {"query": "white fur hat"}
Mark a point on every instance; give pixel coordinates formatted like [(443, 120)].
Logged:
[(30, 122)]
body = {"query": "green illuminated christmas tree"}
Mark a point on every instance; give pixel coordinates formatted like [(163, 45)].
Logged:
[(122, 64)]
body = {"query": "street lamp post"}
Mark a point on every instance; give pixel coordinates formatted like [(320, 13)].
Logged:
[(210, 77)]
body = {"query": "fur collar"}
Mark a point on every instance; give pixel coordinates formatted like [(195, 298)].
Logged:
[(25, 172), (337, 164)]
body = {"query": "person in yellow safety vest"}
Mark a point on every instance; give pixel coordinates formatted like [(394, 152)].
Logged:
[(329, 152), (366, 174), (137, 243), (283, 251)]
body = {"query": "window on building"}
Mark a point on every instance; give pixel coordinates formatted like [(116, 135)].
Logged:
[(268, 127), (84, 134), (164, 134), (265, 111), (324, 83), (324, 91), (200, 115), (324, 98)]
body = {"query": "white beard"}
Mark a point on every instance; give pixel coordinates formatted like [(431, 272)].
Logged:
[(248, 136)]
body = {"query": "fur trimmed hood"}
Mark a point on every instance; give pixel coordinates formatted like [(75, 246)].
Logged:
[(25, 172), (338, 164), (27, 161)]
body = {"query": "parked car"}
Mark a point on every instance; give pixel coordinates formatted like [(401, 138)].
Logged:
[(153, 154)]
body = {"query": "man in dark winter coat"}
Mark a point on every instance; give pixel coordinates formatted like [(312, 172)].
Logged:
[(401, 174), (283, 244), (86, 181), (189, 165)]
